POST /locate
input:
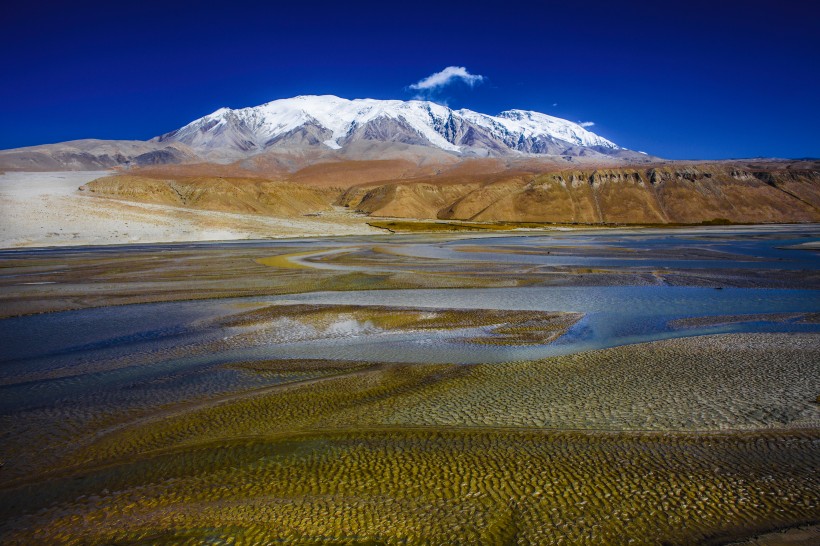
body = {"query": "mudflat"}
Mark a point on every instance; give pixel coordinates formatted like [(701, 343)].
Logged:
[(571, 387)]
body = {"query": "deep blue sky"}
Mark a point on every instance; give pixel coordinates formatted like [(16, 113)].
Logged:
[(679, 79)]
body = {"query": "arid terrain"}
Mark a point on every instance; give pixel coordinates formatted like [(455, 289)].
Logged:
[(48, 209), (200, 202), (682, 194)]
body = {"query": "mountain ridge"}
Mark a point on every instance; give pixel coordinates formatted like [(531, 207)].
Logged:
[(295, 132), (333, 122), (418, 159)]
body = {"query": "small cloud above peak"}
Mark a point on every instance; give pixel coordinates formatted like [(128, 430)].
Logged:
[(586, 123), (441, 79)]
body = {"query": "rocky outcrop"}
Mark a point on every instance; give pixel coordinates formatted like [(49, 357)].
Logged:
[(673, 194)]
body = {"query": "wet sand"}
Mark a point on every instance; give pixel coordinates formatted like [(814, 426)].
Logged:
[(178, 422), (360, 434)]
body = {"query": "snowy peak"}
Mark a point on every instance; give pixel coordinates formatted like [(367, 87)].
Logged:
[(331, 122), (535, 123), (343, 117)]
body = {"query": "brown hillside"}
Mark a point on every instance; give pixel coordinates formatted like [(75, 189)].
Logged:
[(246, 195), (203, 170), (344, 174), (494, 191), (668, 194)]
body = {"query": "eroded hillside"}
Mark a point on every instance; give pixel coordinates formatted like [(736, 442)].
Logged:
[(670, 193)]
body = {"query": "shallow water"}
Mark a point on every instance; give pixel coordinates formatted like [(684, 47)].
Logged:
[(148, 348), (736, 248), (613, 316), (119, 347)]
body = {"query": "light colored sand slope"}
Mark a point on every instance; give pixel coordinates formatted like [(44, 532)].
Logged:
[(46, 209)]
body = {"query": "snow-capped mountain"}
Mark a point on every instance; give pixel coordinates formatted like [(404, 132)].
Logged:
[(332, 123)]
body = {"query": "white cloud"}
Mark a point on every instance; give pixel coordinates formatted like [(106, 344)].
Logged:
[(586, 123), (555, 104), (446, 77)]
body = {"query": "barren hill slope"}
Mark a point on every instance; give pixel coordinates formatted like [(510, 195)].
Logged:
[(247, 195), (490, 191), (670, 194)]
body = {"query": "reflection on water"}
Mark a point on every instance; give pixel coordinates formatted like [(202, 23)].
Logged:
[(613, 316), (118, 346), (147, 350)]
